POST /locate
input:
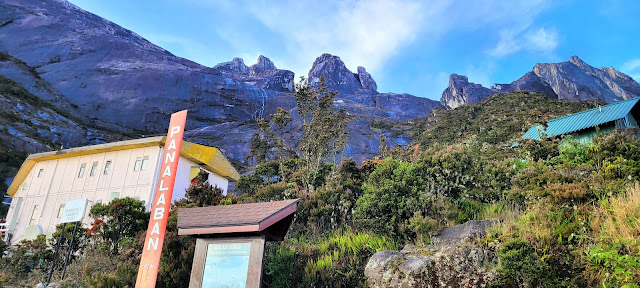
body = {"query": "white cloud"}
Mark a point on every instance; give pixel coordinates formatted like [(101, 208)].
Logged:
[(542, 40), (370, 33), (362, 33), (507, 44), (632, 68), (480, 74)]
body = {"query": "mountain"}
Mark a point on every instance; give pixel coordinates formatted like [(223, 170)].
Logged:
[(572, 80), (113, 80), (116, 84), (356, 94), (114, 75)]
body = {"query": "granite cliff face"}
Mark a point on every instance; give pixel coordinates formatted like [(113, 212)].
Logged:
[(117, 85), (572, 80), (113, 74)]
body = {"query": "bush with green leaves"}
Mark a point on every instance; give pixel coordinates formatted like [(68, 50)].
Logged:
[(336, 260), (119, 221), (520, 266), (28, 264), (386, 204)]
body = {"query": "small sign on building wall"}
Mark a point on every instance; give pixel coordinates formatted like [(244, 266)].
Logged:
[(74, 210)]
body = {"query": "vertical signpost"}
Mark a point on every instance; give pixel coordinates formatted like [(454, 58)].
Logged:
[(152, 250), (73, 212)]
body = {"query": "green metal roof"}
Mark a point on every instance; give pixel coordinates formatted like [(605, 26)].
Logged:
[(582, 120), (533, 132)]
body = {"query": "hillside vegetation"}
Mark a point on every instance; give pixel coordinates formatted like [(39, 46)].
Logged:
[(568, 214), (496, 120)]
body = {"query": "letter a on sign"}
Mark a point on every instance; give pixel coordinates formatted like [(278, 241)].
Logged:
[(148, 271)]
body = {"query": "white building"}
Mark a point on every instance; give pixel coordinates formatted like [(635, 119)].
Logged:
[(101, 173)]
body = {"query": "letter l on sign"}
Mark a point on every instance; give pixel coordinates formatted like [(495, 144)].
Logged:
[(152, 250)]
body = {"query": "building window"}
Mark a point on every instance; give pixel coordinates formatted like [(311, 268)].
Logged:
[(34, 215), (114, 195), (145, 162), (94, 169), (99, 201), (40, 173), (136, 167), (83, 166), (60, 210), (107, 167)]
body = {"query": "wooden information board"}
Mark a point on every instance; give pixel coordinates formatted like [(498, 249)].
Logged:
[(227, 262)]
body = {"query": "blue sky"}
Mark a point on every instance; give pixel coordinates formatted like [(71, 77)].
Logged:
[(408, 46)]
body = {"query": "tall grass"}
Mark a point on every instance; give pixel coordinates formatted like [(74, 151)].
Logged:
[(614, 257)]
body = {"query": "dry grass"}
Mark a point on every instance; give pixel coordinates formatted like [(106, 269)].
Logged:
[(618, 219)]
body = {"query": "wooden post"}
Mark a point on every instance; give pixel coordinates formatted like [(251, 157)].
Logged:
[(55, 255), (66, 261)]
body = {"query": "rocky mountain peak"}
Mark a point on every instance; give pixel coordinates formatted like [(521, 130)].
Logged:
[(575, 60), (366, 80), (572, 80), (461, 91), (338, 77), (234, 66), (263, 64)]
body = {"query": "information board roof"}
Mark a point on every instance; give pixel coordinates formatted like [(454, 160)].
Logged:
[(271, 219)]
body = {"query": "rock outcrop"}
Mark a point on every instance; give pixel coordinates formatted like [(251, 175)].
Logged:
[(572, 80), (454, 259), (235, 66), (264, 65), (263, 74), (529, 82), (461, 91), (338, 77), (575, 80), (366, 80)]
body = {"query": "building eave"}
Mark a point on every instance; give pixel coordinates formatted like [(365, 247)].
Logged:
[(210, 157)]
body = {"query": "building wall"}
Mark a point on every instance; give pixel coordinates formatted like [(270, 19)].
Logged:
[(586, 136), (59, 182), (183, 179)]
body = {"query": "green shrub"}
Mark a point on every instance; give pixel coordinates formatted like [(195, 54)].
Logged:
[(619, 265), (339, 261), (520, 266), (384, 207), (279, 267)]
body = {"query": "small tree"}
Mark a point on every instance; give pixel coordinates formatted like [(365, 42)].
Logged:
[(324, 128), (281, 119), (382, 149), (118, 221)]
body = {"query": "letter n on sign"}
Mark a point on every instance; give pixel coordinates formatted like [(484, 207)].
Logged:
[(152, 250)]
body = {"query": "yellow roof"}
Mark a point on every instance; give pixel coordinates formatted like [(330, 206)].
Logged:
[(209, 157)]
